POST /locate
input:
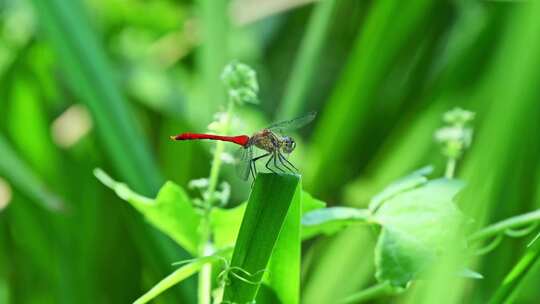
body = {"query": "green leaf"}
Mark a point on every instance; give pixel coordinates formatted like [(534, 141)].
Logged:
[(309, 203), (265, 214), (410, 181), (226, 224), (417, 225), (331, 220), (171, 211), (176, 277), (283, 273)]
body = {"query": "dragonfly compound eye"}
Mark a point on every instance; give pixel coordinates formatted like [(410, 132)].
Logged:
[(289, 145)]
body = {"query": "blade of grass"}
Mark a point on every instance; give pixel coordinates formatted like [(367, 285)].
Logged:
[(90, 77), (22, 177), (176, 277), (307, 59), (87, 72), (212, 55), (283, 275), (385, 34), (510, 87), (265, 214), (517, 276)]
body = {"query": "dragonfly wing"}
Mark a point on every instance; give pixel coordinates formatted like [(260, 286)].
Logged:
[(293, 124), (243, 162)]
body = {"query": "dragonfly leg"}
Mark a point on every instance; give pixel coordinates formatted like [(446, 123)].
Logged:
[(268, 162), (276, 158), (283, 158), (253, 164), (284, 162)]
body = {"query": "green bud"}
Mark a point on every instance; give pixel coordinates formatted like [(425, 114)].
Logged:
[(241, 83), (455, 137), (458, 117)]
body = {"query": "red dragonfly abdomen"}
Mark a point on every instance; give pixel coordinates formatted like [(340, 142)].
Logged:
[(241, 140)]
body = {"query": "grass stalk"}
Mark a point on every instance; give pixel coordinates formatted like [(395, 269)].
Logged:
[(207, 247), (306, 63), (373, 292)]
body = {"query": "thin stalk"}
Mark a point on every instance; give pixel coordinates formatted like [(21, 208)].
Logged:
[(502, 226), (513, 281), (373, 292), (207, 247), (450, 168), (220, 147)]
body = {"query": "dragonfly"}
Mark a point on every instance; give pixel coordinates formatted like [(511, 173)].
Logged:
[(271, 140)]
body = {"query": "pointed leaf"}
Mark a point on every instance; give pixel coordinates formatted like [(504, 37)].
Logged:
[(176, 277), (171, 212), (267, 208), (331, 220)]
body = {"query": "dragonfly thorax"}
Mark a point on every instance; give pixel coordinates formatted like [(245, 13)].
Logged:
[(272, 142)]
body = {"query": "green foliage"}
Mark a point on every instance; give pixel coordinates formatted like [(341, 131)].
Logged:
[(419, 221), (171, 211), (21, 176), (418, 226), (176, 277), (330, 220), (381, 74), (266, 211)]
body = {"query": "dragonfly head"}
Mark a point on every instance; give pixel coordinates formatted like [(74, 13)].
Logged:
[(288, 144)]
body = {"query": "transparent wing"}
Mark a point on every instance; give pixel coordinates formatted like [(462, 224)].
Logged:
[(292, 124), (243, 162)]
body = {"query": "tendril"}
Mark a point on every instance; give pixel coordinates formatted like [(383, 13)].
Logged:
[(490, 246), (521, 232), (224, 275)]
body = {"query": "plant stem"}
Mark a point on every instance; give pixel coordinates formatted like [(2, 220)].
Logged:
[(500, 227), (207, 247), (376, 291), (450, 168), (205, 275), (220, 147)]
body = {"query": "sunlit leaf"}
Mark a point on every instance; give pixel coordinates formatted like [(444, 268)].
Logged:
[(330, 220), (410, 181), (417, 226)]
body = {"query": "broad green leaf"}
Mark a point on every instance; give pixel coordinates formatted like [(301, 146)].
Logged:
[(226, 224), (417, 225), (176, 277), (410, 181), (309, 203), (171, 211), (265, 215), (330, 220)]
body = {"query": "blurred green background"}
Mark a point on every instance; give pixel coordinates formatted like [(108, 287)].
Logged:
[(103, 83)]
